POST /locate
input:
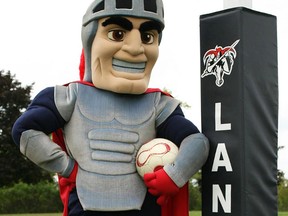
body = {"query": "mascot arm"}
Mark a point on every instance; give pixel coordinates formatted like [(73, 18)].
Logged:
[(40, 149), (192, 155), (31, 133), (170, 183), (166, 182), (193, 147)]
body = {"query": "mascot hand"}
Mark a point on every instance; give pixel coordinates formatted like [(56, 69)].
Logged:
[(66, 185), (72, 177), (161, 185)]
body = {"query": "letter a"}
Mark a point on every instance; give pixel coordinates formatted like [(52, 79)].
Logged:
[(221, 151)]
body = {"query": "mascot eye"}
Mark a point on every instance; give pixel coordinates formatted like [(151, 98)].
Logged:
[(147, 38), (116, 35)]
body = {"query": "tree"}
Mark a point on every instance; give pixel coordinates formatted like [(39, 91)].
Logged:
[(14, 167), (195, 196), (283, 196), (280, 173)]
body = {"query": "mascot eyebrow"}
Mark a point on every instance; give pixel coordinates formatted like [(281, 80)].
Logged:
[(126, 24)]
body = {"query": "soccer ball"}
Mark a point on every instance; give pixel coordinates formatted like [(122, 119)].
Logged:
[(154, 155)]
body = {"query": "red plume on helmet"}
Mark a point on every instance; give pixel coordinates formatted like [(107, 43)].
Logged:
[(82, 66)]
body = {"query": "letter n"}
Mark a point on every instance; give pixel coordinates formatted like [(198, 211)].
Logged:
[(224, 201)]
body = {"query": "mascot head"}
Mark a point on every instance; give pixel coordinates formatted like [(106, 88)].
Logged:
[(120, 40)]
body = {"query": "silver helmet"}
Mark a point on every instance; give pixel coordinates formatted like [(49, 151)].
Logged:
[(150, 9)]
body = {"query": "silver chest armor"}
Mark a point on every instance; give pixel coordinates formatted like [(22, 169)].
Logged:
[(103, 133)]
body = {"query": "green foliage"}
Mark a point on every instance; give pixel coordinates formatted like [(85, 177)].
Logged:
[(280, 177), (14, 166), (195, 213), (28, 198), (195, 198), (283, 196)]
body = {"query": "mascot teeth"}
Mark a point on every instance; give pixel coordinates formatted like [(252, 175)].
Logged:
[(129, 67)]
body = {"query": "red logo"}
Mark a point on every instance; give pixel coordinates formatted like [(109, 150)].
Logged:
[(219, 61)]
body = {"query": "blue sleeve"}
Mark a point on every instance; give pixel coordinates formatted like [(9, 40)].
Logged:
[(176, 127), (41, 115)]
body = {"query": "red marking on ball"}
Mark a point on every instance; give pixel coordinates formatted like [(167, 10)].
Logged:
[(167, 149)]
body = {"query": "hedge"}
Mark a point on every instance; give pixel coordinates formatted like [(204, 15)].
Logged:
[(42, 197)]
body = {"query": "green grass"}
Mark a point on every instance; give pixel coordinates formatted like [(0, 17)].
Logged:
[(47, 214), (194, 213), (198, 213)]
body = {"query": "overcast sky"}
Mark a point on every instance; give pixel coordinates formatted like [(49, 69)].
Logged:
[(40, 42)]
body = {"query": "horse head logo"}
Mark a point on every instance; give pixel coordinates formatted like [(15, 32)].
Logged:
[(219, 61)]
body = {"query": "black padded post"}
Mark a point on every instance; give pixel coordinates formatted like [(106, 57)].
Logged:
[(239, 99)]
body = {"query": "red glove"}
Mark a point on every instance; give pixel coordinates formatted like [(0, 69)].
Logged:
[(160, 184)]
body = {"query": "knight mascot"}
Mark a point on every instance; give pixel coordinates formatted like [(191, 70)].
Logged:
[(100, 122)]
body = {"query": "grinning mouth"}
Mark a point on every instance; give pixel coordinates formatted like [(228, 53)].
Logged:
[(128, 67)]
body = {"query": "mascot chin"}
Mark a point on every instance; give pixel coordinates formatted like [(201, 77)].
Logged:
[(100, 122)]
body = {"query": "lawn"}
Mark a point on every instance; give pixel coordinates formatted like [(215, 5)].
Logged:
[(48, 214), (194, 213), (60, 214)]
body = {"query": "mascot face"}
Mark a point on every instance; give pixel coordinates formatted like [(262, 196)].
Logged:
[(123, 54)]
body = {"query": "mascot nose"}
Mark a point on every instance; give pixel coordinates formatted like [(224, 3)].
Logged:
[(133, 43)]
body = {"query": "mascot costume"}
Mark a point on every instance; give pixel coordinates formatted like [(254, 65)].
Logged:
[(101, 121)]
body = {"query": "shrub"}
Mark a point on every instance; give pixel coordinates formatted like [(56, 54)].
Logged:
[(283, 198), (30, 198), (194, 198)]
